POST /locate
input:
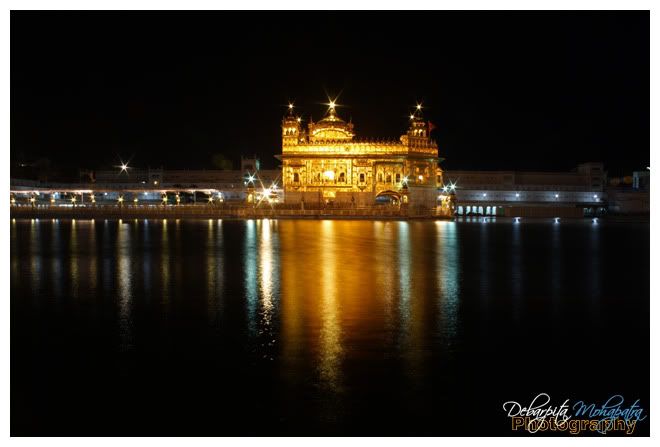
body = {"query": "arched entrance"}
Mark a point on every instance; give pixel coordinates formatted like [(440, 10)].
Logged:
[(388, 197)]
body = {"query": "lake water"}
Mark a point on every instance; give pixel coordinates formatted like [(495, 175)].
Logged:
[(259, 327)]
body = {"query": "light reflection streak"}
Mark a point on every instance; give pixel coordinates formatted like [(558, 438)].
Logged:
[(146, 259), (485, 266), (35, 256), (330, 349), (595, 268), (516, 272), (265, 270), (94, 261), (214, 270), (295, 318), (250, 268), (269, 284), (266, 273), (56, 259), (165, 265), (404, 260), (125, 283), (555, 272), (448, 273), (108, 280), (178, 266), (385, 251), (73, 259), (15, 271)]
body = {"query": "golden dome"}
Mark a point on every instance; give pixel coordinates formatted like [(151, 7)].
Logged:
[(331, 127)]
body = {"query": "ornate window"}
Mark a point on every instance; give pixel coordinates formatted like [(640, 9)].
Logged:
[(296, 177)]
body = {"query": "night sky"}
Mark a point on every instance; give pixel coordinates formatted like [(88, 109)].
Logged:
[(506, 90)]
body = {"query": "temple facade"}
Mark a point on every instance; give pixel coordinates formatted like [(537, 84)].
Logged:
[(327, 163)]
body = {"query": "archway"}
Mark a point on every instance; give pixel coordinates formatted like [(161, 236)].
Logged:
[(388, 197)]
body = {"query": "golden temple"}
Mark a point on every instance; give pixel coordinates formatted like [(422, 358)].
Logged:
[(326, 163)]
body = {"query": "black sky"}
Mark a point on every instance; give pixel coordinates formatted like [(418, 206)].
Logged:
[(506, 90)]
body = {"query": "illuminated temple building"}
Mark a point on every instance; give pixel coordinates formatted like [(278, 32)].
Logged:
[(327, 163)]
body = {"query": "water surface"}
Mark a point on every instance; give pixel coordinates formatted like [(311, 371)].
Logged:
[(217, 327)]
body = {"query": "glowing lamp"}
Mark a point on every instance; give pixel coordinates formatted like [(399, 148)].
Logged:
[(330, 175)]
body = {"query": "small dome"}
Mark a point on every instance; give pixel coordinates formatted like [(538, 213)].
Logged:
[(332, 119)]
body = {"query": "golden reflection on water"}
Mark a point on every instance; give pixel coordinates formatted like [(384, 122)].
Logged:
[(383, 234), (330, 351), (313, 289), (416, 296), (177, 281), (266, 273), (350, 283), (165, 265), (73, 259), (292, 300)]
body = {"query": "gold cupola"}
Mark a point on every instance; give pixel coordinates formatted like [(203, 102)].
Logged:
[(331, 127)]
